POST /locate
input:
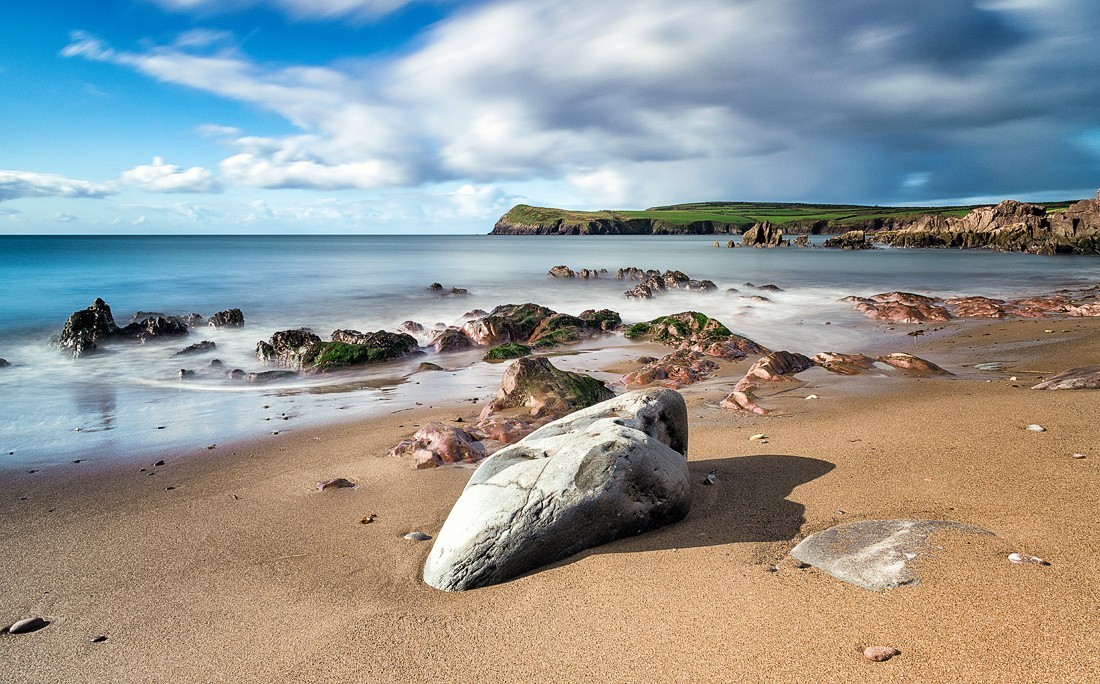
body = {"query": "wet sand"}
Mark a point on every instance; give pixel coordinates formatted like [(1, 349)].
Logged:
[(244, 572)]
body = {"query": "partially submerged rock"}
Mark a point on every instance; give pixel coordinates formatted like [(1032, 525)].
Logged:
[(508, 350), (86, 328), (197, 348), (1085, 377), (610, 471), (451, 340), (698, 332), (853, 239), (230, 318), (765, 234), (875, 554), (302, 350)]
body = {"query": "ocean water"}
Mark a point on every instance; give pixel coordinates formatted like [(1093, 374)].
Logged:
[(128, 402)]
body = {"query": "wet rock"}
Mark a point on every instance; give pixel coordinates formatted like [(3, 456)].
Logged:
[(698, 332), (451, 340), (507, 323), (875, 554), (853, 240), (506, 351), (844, 364), (911, 363), (439, 291), (86, 328), (185, 374), (4, 363), (900, 307), (153, 328), (562, 272), (533, 383), (778, 366), (429, 366), (976, 307), (681, 367), (197, 348), (410, 328), (236, 374), (880, 654), (607, 472), (436, 444), (1085, 377), (230, 318), (302, 350), (28, 625), (266, 377), (503, 429)]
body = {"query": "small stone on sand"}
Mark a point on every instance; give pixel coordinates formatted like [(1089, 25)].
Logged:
[(758, 437), (880, 654), (1024, 558), (811, 396), (28, 625), (368, 519), (417, 536), (1078, 455), (1036, 428), (158, 463), (99, 639), (711, 478), (335, 483)]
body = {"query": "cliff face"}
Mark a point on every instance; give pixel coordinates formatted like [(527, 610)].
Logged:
[(1009, 227)]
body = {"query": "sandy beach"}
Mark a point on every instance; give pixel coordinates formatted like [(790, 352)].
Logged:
[(227, 565)]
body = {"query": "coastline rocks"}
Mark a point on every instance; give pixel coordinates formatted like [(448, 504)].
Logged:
[(197, 348), (436, 444), (451, 340), (915, 364), (800, 241), (506, 351), (264, 377), (875, 554), (4, 363), (900, 307), (764, 234), (853, 239), (561, 271), (230, 318), (681, 367), (844, 364), (698, 332), (608, 472), (439, 291), (1085, 377), (653, 282), (152, 328), (302, 350), (86, 328), (533, 383), (506, 323), (976, 307)]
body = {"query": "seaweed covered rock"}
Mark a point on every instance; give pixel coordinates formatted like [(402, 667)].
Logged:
[(506, 351), (698, 332), (853, 239), (86, 328), (451, 340), (614, 470), (290, 348), (534, 383), (302, 350), (230, 318), (507, 323)]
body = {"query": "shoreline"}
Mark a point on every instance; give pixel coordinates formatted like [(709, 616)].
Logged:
[(245, 572)]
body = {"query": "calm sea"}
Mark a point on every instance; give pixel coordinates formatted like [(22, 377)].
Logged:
[(129, 402)]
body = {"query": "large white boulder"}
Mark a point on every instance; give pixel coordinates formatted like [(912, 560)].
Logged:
[(613, 470)]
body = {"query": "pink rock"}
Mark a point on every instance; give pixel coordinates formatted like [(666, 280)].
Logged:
[(844, 364), (779, 366), (912, 363), (503, 429), (437, 443), (880, 654), (976, 307), (682, 367)]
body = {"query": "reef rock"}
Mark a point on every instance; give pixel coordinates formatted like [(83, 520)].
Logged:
[(698, 332), (230, 318), (86, 328), (764, 234), (533, 383), (853, 239), (614, 470)]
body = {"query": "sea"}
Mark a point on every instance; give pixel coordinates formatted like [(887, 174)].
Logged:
[(129, 403)]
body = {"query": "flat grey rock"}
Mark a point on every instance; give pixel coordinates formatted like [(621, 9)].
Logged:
[(613, 470), (874, 554)]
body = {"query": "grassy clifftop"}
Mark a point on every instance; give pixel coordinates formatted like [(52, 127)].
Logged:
[(713, 218)]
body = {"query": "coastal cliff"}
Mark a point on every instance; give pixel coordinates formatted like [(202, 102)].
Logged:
[(1011, 226)]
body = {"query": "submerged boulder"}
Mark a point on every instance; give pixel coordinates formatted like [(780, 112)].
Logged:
[(230, 318), (86, 328), (302, 350), (614, 470)]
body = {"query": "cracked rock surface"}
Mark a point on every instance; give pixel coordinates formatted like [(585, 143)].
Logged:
[(616, 469)]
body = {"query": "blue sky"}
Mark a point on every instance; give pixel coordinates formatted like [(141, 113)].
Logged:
[(435, 116)]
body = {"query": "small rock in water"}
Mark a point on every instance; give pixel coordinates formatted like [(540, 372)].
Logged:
[(211, 446), (880, 654), (1036, 428), (28, 625), (711, 478), (991, 367), (1024, 558), (158, 463), (758, 437), (417, 536), (98, 639), (335, 483)]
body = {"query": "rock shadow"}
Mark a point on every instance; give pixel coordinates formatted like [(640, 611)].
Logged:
[(747, 503)]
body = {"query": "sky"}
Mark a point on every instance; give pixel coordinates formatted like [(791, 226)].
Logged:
[(436, 116)]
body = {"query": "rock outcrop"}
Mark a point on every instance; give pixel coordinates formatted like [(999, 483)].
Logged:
[(614, 470), (853, 239), (534, 384), (697, 332), (230, 318), (436, 444), (86, 328), (654, 283), (1085, 377), (302, 350), (675, 370), (764, 234)]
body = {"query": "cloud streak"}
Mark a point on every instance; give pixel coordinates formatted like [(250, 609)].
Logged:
[(21, 184), (652, 101)]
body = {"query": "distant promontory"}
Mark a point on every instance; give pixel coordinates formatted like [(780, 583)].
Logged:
[(1048, 228)]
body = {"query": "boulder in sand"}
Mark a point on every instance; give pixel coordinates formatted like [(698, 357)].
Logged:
[(437, 443), (1085, 377), (613, 470), (534, 383)]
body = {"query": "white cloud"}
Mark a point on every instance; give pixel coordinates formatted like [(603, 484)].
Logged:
[(218, 131), (161, 177), (19, 184), (300, 9), (65, 217), (140, 220)]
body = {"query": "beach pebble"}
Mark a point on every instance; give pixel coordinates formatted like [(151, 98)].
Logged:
[(880, 654), (335, 483), (812, 396), (368, 519), (28, 625), (1036, 428), (1078, 455), (417, 536), (1024, 558), (758, 437), (1013, 379), (711, 478), (211, 446), (158, 463), (98, 639)]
